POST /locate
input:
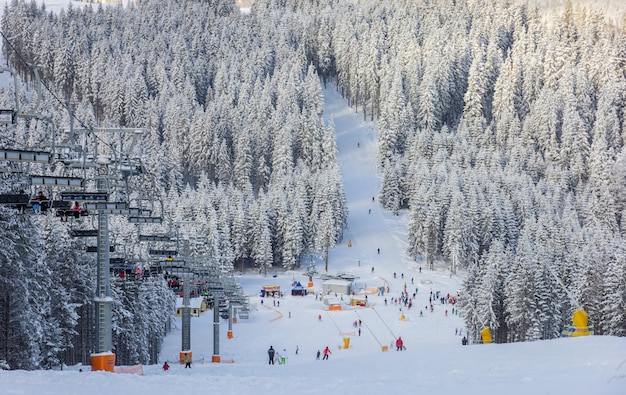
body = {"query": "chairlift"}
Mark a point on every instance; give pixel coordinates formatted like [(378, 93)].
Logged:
[(56, 181), (145, 220), (166, 253), (95, 249), (84, 232), (19, 201), (84, 196), (25, 156), (155, 238), (66, 209)]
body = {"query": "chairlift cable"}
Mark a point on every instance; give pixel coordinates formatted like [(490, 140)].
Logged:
[(65, 106)]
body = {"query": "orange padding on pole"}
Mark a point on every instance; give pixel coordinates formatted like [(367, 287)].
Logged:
[(182, 356), (215, 359), (103, 361)]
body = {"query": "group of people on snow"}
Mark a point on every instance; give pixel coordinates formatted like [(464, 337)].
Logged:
[(275, 356), (186, 360)]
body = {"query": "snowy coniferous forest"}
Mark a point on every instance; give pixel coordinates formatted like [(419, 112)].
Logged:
[(501, 132)]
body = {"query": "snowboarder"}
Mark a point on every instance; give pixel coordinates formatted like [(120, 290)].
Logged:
[(399, 344), (464, 341), (379, 251), (359, 331), (318, 354), (166, 366), (187, 361), (271, 352), (326, 353), (283, 357), (319, 317)]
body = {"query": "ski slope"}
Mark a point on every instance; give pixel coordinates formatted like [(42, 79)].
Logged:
[(434, 361)]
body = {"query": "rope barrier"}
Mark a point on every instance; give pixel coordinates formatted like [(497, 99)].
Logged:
[(333, 321), (369, 329), (384, 323)]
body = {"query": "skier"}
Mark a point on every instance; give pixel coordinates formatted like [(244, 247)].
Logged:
[(319, 317), (326, 353), (271, 353), (399, 344), (166, 366), (359, 331), (318, 354), (187, 361)]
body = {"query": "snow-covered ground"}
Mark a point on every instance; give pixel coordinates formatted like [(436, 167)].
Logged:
[(434, 360)]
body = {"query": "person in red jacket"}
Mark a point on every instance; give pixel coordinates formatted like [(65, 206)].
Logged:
[(326, 353), (399, 344)]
